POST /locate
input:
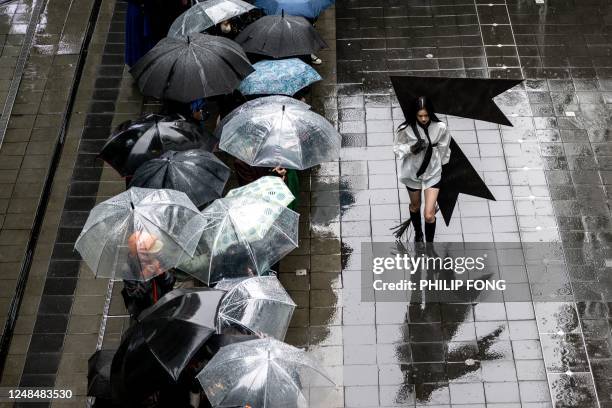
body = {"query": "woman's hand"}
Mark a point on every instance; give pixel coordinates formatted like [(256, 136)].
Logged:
[(280, 171), (418, 146)]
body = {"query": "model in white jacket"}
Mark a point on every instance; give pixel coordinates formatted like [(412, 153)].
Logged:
[(422, 156), (439, 137)]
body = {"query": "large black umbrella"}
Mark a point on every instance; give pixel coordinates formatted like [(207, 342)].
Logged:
[(98, 374), (459, 176), (137, 141), (193, 67), (465, 97), (199, 174), (168, 335), (281, 36)]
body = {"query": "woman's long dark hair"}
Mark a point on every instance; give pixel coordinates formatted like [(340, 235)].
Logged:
[(418, 104)]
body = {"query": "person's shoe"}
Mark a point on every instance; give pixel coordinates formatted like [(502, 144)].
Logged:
[(315, 60)]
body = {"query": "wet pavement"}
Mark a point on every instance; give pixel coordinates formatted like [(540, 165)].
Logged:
[(550, 175)]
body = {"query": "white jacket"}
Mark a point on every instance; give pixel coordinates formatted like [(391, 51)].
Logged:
[(410, 162)]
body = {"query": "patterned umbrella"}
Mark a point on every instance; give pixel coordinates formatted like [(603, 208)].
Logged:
[(244, 237), (268, 188), (279, 77), (206, 14)]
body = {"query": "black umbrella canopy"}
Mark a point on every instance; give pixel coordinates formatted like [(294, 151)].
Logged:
[(136, 141), (459, 176), (281, 36), (197, 173), (465, 97), (168, 335), (98, 374), (135, 372), (193, 67)]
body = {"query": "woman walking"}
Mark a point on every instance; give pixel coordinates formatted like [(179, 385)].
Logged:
[(422, 145)]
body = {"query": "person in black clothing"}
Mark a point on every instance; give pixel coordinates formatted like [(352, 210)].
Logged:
[(162, 13)]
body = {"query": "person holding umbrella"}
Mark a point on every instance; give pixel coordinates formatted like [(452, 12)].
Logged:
[(422, 144), (139, 295)]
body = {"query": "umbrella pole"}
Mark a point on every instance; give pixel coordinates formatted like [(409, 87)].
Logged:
[(105, 310), (107, 302)]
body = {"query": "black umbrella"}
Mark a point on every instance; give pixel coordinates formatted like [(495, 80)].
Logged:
[(281, 36), (98, 374), (168, 335), (199, 174), (459, 176), (193, 67), (465, 97), (137, 141)]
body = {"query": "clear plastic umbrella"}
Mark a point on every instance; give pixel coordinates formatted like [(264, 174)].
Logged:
[(205, 14), (288, 136), (271, 102), (260, 373), (140, 234), (244, 236), (268, 188), (260, 304)]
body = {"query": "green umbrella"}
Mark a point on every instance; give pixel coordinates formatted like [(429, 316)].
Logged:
[(268, 188)]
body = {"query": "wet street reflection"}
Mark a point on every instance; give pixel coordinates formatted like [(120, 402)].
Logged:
[(546, 341)]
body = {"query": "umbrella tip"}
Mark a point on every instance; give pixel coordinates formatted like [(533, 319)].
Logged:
[(131, 204), (282, 13), (283, 107)]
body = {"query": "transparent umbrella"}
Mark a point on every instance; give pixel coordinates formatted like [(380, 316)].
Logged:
[(140, 233), (288, 136), (267, 188), (260, 304), (260, 373), (205, 14), (243, 237), (271, 102)]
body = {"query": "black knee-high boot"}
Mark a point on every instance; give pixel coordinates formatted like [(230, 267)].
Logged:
[(415, 217), (430, 231)]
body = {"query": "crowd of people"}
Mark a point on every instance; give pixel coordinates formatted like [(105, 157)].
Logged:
[(153, 267), (147, 23)]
